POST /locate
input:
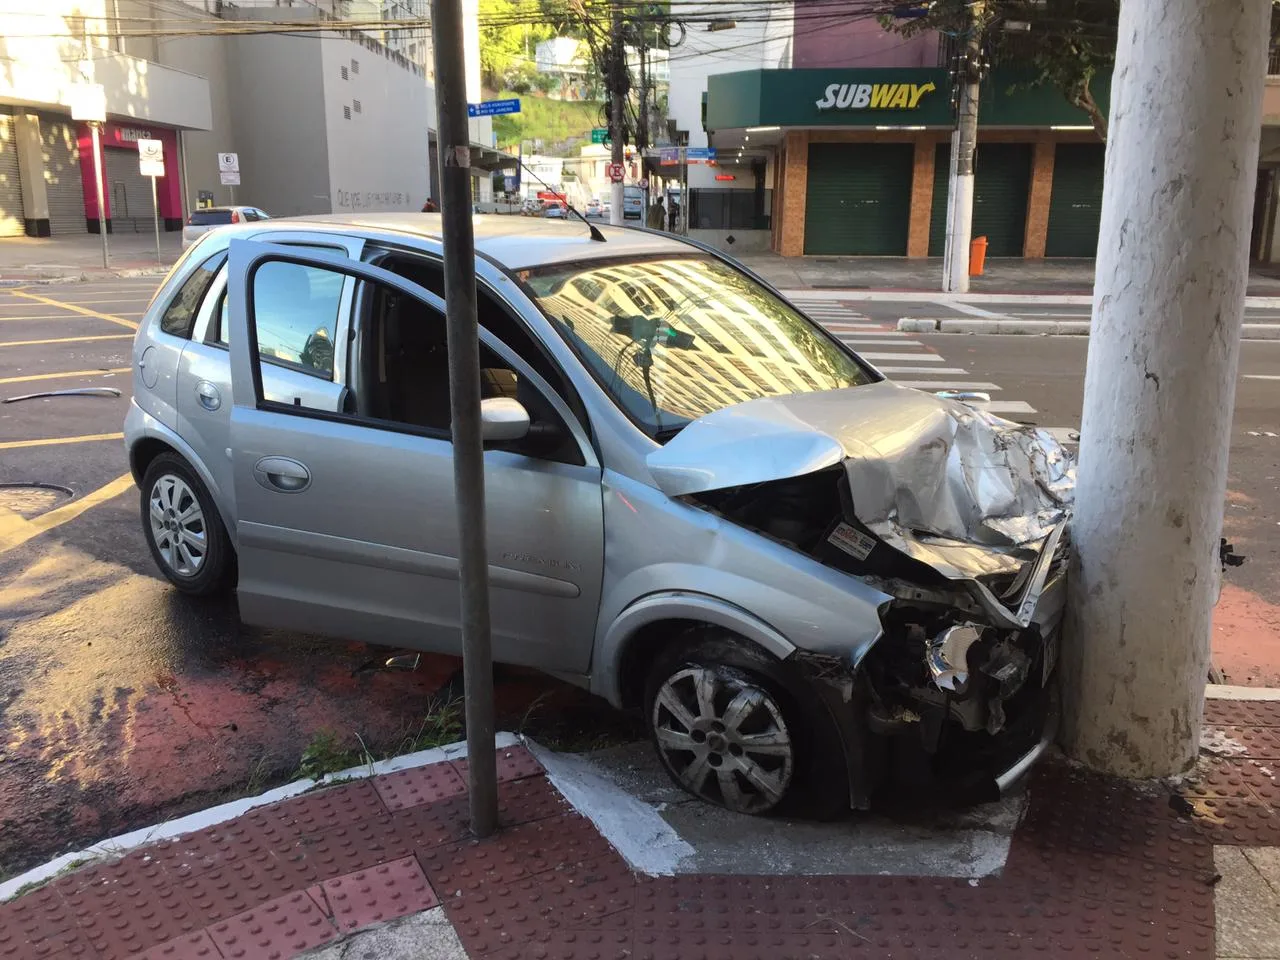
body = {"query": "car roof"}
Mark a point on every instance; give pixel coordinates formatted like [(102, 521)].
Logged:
[(514, 242)]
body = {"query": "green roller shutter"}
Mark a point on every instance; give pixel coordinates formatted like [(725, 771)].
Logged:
[(858, 199), (999, 198), (938, 212), (1076, 202)]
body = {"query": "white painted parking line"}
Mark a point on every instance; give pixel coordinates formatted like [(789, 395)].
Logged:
[(942, 371), (905, 357), (948, 384)]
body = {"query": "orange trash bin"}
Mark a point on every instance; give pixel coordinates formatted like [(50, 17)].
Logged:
[(977, 256)]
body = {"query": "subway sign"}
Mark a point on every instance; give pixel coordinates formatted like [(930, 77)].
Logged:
[(874, 96)]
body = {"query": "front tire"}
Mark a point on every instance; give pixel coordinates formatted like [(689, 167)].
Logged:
[(735, 727), (183, 529)]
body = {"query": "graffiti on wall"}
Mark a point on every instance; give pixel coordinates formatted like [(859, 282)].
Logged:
[(370, 200)]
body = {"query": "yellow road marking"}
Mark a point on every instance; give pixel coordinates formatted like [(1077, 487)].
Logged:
[(63, 376), (58, 316), (36, 343), (47, 301), (54, 441), (16, 530)]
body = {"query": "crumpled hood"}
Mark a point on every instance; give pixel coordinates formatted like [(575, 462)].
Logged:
[(934, 478)]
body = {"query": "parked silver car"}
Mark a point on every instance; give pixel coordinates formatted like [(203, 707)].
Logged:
[(204, 219), (700, 504)]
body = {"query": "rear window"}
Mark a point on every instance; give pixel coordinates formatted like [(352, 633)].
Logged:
[(209, 218), (180, 315)]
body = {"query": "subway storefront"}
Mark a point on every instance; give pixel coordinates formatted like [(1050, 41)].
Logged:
[(862, 160)]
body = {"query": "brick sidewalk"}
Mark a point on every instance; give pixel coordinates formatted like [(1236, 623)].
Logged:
[(1097, 868)]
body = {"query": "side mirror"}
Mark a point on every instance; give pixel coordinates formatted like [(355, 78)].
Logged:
[(503, 419)]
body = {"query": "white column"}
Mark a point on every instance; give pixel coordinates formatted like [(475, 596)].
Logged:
[(1168, 304)]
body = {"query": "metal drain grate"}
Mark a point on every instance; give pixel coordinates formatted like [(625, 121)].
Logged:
[(32, 499)]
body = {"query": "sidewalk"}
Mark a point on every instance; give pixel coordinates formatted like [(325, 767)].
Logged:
[(1018, 276), (30, 259), (1096, 868)]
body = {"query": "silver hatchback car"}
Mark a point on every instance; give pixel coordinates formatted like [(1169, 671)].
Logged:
[(701, 504)]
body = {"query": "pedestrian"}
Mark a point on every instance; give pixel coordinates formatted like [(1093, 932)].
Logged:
[(430, 206), (656, 214), (673, 216)]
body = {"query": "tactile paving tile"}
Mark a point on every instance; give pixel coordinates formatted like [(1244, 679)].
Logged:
[(196, 946), (280, 928), (533, 798), (123, 918), (514, 763), (40, 925), (410, 788), (1221, 779), (1243, 713), (225, 891), (1245, 823), (319, 810), (1259, 743), (372, 896), (570, 945), (432, 824)]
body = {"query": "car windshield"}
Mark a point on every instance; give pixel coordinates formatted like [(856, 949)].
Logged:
[(206, 218), (674, 339)]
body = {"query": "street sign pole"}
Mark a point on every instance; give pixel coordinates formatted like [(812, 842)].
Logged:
[(155, 208), (102, 200), (463, 345)]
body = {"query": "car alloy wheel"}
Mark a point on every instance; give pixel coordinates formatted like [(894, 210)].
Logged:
[(178, 525), (723, 738)]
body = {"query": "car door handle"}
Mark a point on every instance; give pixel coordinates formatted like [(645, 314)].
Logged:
[(282, 474), (208, 395)]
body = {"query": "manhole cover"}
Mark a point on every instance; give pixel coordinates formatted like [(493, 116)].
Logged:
[(32, 499)]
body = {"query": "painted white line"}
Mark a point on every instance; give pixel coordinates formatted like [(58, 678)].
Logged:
[(858, 342), (906, 357), (1226, 691), (948, 371), (947, 384), (1261, 376), (116, 846), (1007, 406), (978, 312)]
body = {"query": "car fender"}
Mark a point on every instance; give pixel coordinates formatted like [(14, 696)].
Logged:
[(140, 425), (677, 605)]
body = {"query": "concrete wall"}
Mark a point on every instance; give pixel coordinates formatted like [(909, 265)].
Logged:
[(280, 124), (378, 159), (206, 56), (844, 41)]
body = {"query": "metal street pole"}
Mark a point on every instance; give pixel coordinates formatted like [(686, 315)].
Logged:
[(464, 396), (964, 146), (617, 106), (155, 207), (102, 200), (1164, 350)]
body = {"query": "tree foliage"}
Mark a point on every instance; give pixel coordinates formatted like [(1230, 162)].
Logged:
[(508, 40), (1065, 43)]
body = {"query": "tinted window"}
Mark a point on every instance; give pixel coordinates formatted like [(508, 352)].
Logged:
[(209, 218), (180, 315), (295, 310)]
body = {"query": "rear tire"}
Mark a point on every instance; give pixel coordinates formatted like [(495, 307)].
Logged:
[(183, 529), (738, 728)]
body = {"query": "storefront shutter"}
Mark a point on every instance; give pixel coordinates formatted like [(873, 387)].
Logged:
[(11, 217), (858, 199), (130, 192), (62, 177), (1075, 205), (999, 198)]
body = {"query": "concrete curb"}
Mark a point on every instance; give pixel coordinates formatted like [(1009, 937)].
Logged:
[(45, 279), (1043, 328), (1226, 691), (169, 829)]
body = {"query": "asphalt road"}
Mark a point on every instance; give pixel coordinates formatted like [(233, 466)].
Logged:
[(122, 703)]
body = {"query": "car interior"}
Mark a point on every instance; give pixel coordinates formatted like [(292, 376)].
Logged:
[(402, 353)]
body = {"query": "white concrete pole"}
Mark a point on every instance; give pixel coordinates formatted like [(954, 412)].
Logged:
[(1159, 389), (964, 146)]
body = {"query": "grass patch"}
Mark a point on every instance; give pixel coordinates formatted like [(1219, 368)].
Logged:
[(26, 888), (329, 752), (441, 725), (552, 121)]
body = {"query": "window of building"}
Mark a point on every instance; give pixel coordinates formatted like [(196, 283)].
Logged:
[(355, 65), (346, 113), (356, 106), (180, 315), (344, 74)]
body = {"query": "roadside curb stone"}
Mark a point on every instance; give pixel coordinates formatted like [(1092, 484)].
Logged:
[(1060, 328)]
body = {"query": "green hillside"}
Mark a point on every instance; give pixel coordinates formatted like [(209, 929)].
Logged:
[(552, 121)]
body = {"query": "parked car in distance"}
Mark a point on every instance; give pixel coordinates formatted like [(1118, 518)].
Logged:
[(554, 209), (701, 504), (204, 219), (594, 208), (632, 203)]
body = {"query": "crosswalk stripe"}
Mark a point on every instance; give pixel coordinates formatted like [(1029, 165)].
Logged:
[(1007, 406), (858, 342), (948, 371), (947, 385), (907, 357), (842, 325)]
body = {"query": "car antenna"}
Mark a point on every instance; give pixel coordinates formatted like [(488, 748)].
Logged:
[(595, 231)]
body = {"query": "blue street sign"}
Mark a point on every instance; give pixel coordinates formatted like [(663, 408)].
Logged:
[(700, 153), (493, 108)]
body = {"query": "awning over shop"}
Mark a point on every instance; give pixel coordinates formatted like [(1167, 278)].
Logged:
[(884, 97), (488, 158)]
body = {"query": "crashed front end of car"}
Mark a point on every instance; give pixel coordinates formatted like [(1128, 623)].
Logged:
[(959, 519)]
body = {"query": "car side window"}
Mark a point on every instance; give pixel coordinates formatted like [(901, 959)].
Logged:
[(180, 313), (295, 314), (219, 331), (250, 214)]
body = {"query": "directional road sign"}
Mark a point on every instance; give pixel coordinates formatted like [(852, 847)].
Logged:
[(493, 108)]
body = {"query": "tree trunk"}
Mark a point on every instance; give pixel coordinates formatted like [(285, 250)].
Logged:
[(1164, 345)]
